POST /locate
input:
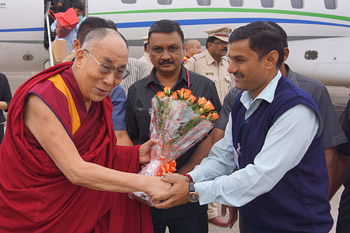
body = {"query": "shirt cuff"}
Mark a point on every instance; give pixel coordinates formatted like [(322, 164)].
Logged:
[(205, 192)]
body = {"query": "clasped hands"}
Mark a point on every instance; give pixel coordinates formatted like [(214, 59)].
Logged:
[(172, 189)]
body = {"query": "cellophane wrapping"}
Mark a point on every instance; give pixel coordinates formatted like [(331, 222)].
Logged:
[(176, 125)]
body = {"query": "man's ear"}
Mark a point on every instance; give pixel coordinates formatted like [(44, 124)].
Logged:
[(147, 48), (271, 59), (79, 57), (286, 53), (76, 44)]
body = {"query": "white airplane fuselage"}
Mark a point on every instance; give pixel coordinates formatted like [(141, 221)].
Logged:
[(319, 38)]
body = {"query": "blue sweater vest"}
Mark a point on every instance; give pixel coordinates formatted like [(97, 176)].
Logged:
[(299, 201)]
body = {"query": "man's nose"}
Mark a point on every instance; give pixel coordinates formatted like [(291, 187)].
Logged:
[(232, 68), (165, 55), (109, 79)]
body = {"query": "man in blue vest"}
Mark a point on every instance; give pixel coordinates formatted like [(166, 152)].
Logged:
[(275, 127)]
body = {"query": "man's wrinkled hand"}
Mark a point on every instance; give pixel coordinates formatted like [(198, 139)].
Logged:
[(177, 195), (145, 151), (157, 186)]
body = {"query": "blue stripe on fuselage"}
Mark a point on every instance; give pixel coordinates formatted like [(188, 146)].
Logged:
[(39, 29), (193, 22)]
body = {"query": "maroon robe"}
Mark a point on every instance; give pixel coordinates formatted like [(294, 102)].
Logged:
[(35, 196)]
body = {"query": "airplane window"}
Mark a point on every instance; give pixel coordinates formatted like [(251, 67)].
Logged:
[(129, 1), (236, 2), (297, 3), (164, 2), (330, 4), (204, 2), (267, 3), (311, 55)]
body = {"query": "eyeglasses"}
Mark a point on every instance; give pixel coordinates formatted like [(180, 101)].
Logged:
[(220, 42), (106, 69)]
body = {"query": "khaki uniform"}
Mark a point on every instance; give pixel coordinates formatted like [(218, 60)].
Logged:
[(205, 65), (146, 59)]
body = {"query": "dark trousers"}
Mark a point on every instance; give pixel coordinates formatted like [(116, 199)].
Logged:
[(343, 228), (241, 228), (192, 224)]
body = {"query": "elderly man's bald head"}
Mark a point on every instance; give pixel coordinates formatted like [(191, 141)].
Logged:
[(192, 47), (97, 35)]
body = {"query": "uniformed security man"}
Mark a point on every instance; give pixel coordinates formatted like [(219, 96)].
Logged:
[(213, 62), (145, 56)]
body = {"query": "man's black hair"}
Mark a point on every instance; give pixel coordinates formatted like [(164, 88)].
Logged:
[(89, 24), (263, 38), (78, 4), (210, 39), (166, 26), (282, 32), (112, 24)]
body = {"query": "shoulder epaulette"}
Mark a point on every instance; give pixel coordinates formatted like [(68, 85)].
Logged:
[(195, 57)]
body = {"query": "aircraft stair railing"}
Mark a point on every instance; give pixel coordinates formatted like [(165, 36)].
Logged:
[(49, 32)]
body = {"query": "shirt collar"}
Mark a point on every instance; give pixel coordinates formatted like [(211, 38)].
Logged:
[(152, 78), (210, 59), (267, 94), (208, 56)]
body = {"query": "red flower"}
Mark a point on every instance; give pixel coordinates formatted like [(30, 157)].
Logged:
[(213, 116), (167, 91), (174, 95), (160, 94), (181, 93), (201, 101), (191, 99), (208, 106), (187, 93)]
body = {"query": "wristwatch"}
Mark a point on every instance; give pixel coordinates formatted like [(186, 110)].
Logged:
[(192, 195)]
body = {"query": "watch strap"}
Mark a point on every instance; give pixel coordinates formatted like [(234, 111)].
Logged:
[(191, 187), (189, 178)]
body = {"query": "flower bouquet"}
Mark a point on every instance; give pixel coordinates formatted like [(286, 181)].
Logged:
[(177, 123)]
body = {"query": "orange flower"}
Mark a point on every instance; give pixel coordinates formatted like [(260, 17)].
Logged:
[(181, 93), (160, 94), (191, 99), (201, 101), (167, 168), (208, 106), (213, 116), (174, 95), (167, 91), (202, 116), (187, 93)]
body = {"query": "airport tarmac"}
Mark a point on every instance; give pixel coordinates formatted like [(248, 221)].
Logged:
[(339, 96)]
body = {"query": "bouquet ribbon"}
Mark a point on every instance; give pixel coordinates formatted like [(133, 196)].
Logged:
[(167, 168)]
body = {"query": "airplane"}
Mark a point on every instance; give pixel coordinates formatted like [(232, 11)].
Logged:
[(318, 31)]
